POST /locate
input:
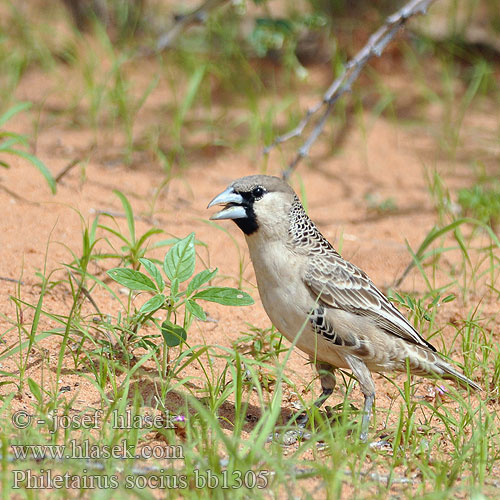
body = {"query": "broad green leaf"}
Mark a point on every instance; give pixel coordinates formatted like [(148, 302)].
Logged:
[(200, 279), (135, 280), (174, 287), (153, 304), (195, 309), (180, 259), (225, 296), (173, 334), (154, 272)]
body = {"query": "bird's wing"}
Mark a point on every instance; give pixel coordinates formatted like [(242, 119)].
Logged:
[(341, 285)]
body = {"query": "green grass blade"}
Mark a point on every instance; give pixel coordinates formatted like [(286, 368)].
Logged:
[(129, 214), (38, 164), (14, 110)]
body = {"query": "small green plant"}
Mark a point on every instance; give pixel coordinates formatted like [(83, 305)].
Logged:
[(178, 267), (134, 247), (481, 203), (272, 35), (263, 345), (379, 205), (10, 142), (423, 311)]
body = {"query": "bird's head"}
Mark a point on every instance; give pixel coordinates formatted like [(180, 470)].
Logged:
[(255, 202)]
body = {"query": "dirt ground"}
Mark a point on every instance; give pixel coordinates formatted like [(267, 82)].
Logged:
[(40, 230)]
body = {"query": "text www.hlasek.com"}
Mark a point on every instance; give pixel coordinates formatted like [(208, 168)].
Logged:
[(88, 451)]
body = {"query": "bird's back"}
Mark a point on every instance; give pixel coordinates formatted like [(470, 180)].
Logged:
[(343, 312)]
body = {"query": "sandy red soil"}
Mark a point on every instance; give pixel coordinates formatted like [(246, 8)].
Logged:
[(39, 230)]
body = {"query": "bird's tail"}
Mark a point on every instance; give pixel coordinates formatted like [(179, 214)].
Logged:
[(451, 373), (426, 362)]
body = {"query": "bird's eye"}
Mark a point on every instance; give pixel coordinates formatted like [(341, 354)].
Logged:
[(258, 192)]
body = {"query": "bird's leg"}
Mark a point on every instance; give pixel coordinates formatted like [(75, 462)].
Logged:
[(362, 373), (327, 379), (367, 413), (328, 382)]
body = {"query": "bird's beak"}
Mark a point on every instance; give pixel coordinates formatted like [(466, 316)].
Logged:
[(233, 208)]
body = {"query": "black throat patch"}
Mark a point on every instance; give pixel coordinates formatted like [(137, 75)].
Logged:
[(249, 224)]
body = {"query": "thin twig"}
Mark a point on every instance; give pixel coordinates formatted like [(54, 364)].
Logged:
[(400, 280), (86, 293), (67, 168), (12, 280), (342, 84), (17, 196), (166, 40)]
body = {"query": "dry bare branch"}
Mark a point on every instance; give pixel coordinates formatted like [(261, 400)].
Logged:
[(342, 84)]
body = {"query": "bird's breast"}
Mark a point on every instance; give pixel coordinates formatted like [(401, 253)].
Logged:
[(279, 278)]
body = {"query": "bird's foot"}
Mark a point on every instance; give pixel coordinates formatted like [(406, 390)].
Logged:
[(300, 419), (292, 436), (289, 437), (381, 442), (381, 445)]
